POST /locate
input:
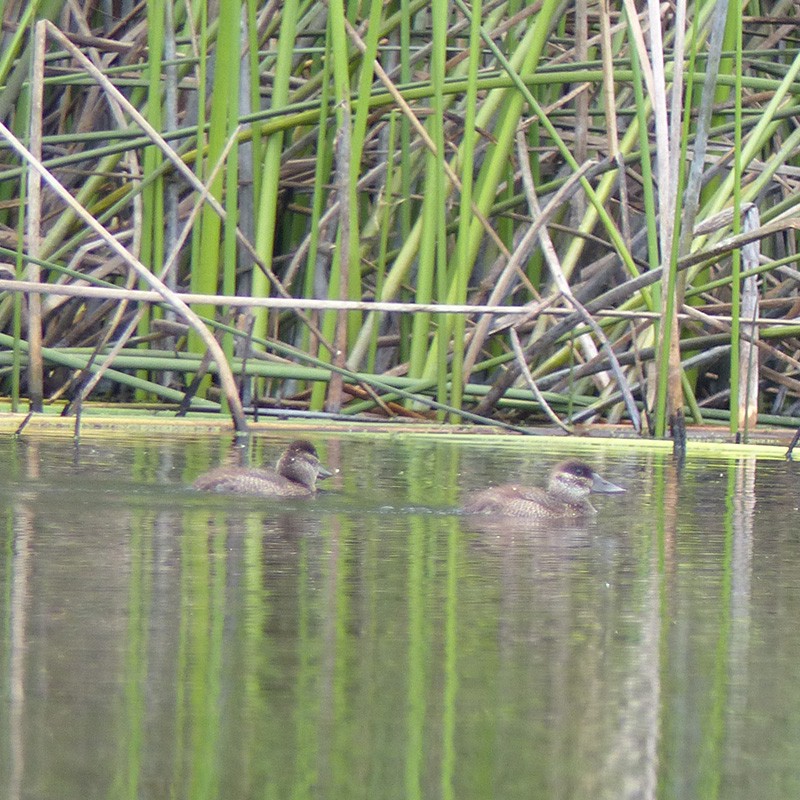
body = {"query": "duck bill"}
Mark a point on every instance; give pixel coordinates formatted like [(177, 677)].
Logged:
[(323, 472), (602, 486)]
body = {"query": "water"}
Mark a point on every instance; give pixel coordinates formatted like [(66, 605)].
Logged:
[(371, 643)]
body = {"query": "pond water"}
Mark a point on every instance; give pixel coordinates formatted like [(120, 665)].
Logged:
[(372, 643)]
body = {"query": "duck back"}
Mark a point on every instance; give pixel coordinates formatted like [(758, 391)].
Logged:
[(511, 500), (261, 482), (295, 475)]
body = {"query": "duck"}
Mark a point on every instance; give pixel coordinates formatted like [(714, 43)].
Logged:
[(295, 475), (567, 495)]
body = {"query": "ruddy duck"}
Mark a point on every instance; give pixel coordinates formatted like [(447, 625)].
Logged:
[(567, 495), (295, 475)]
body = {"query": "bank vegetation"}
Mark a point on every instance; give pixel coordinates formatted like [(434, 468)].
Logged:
[(555, 212)]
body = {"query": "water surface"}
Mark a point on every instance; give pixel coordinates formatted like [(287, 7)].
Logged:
[(372, 642)]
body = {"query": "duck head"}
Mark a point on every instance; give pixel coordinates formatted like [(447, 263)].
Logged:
[(300, 463)]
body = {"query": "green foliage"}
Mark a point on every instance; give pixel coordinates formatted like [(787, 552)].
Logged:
[(371, 152)]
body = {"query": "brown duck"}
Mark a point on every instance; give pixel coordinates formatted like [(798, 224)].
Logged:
[(295, 475), (567, 495)]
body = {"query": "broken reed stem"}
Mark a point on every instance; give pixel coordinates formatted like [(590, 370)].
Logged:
[(167, 295), (513, 313), (387, 186), (540, 399), (34, 221)]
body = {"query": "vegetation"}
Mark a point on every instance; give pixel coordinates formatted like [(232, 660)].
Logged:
[(489, 211)]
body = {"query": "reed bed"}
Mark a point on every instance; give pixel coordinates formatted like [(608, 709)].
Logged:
[(556, 212)]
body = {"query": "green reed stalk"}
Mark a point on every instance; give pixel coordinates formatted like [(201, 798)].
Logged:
[(438, 54), (338, 52), (385, 209), (710, 286), (252, 8), (266, 210), (495, 166), (507, 129), (509, 105), (319, 193), (770, 166), (14, 75), (59, 357), (431, 268), (405, 219), (318, 370), (760, 136), (152, 195), (228, 52), (423, 284), (676, 393), (201, 77), (736, 256), (461, 268), (357, 142), (14, 44), (390, 230), (222, 183), (86, 194)]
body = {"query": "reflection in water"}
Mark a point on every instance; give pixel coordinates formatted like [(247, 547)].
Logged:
[(20, 580), (158, 642), (742, 522), (601, 697)]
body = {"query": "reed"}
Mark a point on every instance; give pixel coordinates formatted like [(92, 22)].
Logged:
[(517, 214)]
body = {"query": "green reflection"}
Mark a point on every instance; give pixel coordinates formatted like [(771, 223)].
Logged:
[(199, 664), (6, 672), (417, 651), (713, 729), (132, 718), (450, 693), (307, 701), (371, 643)]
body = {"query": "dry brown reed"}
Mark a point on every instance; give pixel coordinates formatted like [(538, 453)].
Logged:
[(560, 213)]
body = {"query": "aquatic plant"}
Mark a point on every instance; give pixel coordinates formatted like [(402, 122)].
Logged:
[(483, 212)]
